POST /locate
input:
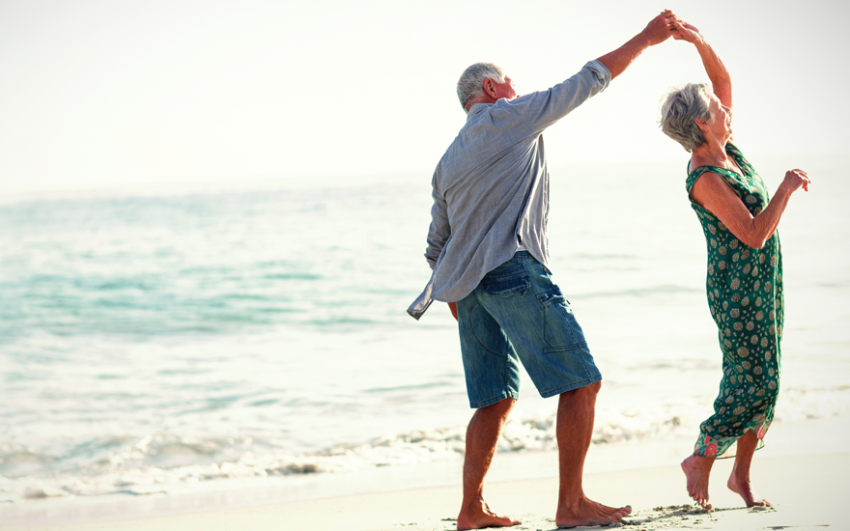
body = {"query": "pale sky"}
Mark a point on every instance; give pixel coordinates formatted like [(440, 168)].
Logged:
[(125, 93)]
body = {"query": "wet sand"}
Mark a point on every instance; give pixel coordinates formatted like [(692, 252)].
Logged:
[(807, 493)]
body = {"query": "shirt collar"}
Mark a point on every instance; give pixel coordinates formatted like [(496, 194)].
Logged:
[(477, 108)]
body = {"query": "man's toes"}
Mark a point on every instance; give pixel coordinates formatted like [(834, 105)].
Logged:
[(621, 512), (618, 512), (612, 514)]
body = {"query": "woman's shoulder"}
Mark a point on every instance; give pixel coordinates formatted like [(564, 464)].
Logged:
[(699, 171), (694, 175)]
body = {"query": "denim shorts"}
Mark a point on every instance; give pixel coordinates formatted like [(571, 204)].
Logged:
[(516, 314)]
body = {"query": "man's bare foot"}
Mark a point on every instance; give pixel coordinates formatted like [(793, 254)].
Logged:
[(478, 515), (745, 489), (588, 512), (697, 469)]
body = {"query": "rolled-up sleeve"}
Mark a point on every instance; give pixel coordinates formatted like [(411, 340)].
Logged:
[(440, 230), (544, 108)]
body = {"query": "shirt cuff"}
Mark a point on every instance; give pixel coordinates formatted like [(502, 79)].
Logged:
[(601, 71)]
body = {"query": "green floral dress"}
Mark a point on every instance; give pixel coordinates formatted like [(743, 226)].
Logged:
[(744, 288)]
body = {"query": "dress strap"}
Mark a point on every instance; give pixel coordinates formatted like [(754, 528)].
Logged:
[(693, 176), (742, 162), (733, 179)]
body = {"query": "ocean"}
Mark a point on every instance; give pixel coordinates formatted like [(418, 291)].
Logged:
[(156, 342)]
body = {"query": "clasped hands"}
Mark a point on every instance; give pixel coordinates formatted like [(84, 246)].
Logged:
[(667, 25)]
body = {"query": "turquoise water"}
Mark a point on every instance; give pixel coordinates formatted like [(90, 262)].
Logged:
[(150, 340)]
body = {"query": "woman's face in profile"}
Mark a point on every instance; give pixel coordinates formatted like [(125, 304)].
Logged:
[(720, 123)]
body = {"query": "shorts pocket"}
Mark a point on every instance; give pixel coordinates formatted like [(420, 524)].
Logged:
[(508, 287), (573, 361), (554, 296), (561, 331)]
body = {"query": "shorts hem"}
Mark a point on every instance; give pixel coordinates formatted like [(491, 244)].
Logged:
[(491, 401), (570, 387)]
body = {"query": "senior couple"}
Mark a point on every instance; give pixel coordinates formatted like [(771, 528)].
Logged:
[(487, 247)]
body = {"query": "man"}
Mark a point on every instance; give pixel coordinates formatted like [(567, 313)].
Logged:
[(487, 247)]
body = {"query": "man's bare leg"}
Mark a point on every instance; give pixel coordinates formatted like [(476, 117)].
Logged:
[(576, 410), (481, 438), (698, 469), (739, 480)]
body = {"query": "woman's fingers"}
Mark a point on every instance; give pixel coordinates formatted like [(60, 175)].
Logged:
[(683, 30), (799, 178), (806, 180)]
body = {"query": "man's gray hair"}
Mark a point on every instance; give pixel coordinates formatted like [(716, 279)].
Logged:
[(680, 108), (469, 86)]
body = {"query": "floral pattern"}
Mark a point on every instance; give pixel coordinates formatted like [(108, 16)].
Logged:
[(744, 289)]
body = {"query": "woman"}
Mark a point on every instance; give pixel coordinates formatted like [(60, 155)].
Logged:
[(744, 284)]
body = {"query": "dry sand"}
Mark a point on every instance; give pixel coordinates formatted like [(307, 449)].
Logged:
[(807, 492)]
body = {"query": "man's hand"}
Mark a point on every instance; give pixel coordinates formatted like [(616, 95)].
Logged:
[(453, 309), (686, 32), (660, 28)]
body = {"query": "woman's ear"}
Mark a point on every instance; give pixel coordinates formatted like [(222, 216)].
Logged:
[(702, 123)]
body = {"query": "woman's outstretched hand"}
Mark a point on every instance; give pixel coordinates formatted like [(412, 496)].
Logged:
[(794, 179), (685, 32)]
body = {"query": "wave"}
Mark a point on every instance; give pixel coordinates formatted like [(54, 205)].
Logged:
[(664, 289), (160, 462)]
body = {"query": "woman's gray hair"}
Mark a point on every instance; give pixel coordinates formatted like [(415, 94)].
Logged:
[(469, 86), (680, 108)]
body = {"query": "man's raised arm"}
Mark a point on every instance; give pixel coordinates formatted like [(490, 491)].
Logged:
[(657, 31)]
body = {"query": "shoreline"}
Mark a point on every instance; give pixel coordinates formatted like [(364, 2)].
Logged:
[(645, 475), (805, 490)]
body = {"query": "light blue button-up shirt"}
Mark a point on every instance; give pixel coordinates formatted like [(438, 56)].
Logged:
[(491, 188)]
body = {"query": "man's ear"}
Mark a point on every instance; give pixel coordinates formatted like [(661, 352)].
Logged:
[(489, 87)]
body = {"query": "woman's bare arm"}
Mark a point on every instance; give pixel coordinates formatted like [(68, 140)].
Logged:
[(712, 193), (721, 82)]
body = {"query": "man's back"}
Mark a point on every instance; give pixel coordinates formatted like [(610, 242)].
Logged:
[(491, 187)]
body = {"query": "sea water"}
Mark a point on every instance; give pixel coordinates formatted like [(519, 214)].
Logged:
[(152, 342)]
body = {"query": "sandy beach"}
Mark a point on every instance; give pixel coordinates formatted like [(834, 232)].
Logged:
[(214, 215), (804, 482), (806, 491)]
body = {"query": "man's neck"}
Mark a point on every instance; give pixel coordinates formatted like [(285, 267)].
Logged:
[(480, 99)]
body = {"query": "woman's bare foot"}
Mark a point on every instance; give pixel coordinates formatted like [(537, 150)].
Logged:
[(588, 512), (698, 469), (478, 515), (745, 489), (739, 480)]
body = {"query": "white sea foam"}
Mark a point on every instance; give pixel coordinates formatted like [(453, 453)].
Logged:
[(122, 473)]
